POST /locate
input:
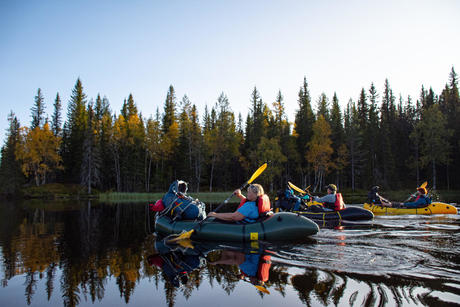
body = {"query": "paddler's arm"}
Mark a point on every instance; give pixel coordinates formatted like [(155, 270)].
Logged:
[(238, 194), (230, 217)]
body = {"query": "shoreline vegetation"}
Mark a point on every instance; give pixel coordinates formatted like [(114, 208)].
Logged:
[(76, 192), (376, 139)]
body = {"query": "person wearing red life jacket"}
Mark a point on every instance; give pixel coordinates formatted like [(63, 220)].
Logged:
[(250, 208), (333, 201), (419, 200), (254, 266)]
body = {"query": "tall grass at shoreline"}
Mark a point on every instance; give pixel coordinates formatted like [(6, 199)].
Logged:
[(357, 197), (207, 197)]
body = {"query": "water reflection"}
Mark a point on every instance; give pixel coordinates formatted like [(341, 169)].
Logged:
[(80, 254)]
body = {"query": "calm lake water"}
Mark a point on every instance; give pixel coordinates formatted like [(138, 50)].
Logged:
[(86, 254)]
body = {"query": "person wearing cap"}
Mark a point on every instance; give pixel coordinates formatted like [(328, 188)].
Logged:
[(332, 201)]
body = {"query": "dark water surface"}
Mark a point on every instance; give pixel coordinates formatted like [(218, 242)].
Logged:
[(55, 254)]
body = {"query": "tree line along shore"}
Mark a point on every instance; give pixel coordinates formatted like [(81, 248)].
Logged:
[(378, 139)]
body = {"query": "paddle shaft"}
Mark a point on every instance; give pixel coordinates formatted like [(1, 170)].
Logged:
[(220, 206)]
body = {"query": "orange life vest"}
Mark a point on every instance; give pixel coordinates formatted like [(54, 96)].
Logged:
[(263, 271), (339, 204), (263, 268), (263, 204)]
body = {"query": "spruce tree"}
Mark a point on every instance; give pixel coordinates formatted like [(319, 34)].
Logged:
[(38, 111), (74, 133), (304, 119), (337, 137), (387, 146), (91, 160), (11, 176), (56, 120), (374, 137), (323, 107), (354, 142)]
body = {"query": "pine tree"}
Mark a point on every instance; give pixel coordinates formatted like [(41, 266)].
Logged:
[(56, 120), (363, 130), (354, 143), (387, 120), (169, 137), (74, 133), (337, 138), (169, 115), (11, 177), (256, 123), (435, 135), (304, 119), (323, 107), (38, 111), (91, 162), (373, 138), (449, 103)]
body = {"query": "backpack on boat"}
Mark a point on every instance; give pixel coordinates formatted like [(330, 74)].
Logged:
[(287, 201), (180, 206)]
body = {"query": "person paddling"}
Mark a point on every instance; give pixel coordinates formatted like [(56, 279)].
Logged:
[(333, 201), (249, 209), (374, 198), (419, 200), (254, 266)]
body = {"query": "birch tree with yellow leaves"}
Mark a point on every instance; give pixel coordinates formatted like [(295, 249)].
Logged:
[(320, 151), (37, 150)]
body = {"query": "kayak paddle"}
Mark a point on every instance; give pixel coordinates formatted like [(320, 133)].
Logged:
[(423, 185), (188, 234), (294, 187)]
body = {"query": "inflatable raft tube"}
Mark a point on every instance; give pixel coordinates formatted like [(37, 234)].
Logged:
[(349, 214), (433, 208), (283, 226)]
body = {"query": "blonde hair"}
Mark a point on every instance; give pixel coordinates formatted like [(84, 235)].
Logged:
[(257, 189)]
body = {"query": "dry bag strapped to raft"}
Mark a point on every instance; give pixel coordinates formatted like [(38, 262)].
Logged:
[(287, 201), (181, 206)]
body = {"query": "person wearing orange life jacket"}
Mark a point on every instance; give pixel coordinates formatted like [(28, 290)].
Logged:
[(333, 201), (250, 208), (419, 200), (255, 266)]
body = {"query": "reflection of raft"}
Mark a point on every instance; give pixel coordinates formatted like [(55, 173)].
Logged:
[(349, 213), (433, 208), (282, 226)]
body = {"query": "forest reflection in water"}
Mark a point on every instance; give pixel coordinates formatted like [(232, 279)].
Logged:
[(93, 253)]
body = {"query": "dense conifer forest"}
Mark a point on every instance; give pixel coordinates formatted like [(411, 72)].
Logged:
[(379, 139)]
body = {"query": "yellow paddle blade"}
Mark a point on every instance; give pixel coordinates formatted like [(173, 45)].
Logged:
[(187, 243), (258, 172), (423, 184), (183, 236), (262, 289), (296, 188)]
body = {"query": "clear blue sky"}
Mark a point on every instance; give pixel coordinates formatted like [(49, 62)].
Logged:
[(204, 48)]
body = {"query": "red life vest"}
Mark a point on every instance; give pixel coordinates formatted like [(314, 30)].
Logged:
[(339, 204), (263, 270), (263, 204)]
